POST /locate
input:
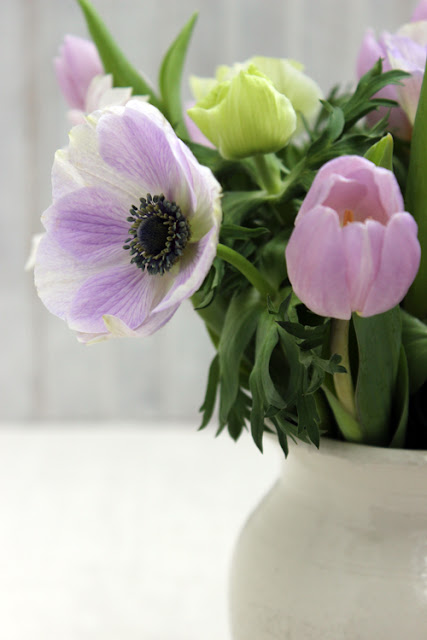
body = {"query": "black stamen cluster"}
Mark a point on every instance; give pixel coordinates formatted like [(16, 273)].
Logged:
[(158, 234)]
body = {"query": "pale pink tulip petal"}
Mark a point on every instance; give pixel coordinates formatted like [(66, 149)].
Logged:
[(362, 246), (400, 259), (317, 266)]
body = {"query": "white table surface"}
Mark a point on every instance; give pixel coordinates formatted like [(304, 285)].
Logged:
[(122, 532)]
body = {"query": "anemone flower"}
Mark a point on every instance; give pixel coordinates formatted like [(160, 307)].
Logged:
[(354, 248), (133, 227)]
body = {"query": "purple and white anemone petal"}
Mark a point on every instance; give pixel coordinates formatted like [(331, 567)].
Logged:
[(133, 227)]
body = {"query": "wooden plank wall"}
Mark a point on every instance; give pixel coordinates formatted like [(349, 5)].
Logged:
[(44, 372)]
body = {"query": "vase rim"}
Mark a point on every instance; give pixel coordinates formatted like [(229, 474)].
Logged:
[(368, 454)]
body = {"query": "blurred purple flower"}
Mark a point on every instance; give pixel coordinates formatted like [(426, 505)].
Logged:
[(420, 11), (354, 248), (80, 75), (370, 52), (133, 227), (405, 50), (76, 66)]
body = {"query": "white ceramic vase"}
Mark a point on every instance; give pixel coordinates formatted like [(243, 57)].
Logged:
[(337, 550)]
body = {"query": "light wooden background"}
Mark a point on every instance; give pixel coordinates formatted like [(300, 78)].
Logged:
[(44, 372)]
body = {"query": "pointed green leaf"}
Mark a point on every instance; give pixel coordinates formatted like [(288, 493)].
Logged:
[(281, 436), (308, 418), (170, 77), (239, 327), (414, 338), (261, 385), (378, 341), (401, 403), (242, 233), (208, 405), (114, 61), (381, 153), (416, 203)]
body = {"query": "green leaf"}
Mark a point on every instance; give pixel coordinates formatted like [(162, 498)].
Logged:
[(272, 263), (361, 102), (114, 61), (238, 415), (414, 338), (348, 426), (381, 153), (207, 291), (261, 385), (239, 327), (308, 418), (208, 405), (333, 129), (242, 233), (281, 436), (170, 77), (401, 403), (236, 204), (292, 370), (378, 341), (416, 203)]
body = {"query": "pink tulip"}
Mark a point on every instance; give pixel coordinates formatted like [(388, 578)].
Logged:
[(76, 66), (354, 248)]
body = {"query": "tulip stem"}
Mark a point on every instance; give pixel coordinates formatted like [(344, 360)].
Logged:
[(245, 267), (343, 382), (268, 173)]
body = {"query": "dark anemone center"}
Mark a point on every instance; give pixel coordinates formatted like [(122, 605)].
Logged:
[(158, 234), (152, 234)]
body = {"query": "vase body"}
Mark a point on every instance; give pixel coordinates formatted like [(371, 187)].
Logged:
[(337, 550)]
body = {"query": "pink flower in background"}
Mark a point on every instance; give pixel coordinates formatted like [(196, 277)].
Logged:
[(133, 227), (420, 12), (405, 50), (370, 51), (80, 75), (354, 248), (76, 66)]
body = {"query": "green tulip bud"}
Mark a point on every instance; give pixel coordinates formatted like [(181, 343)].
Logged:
[(245, 115)]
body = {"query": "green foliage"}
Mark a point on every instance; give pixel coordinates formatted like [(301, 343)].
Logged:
[(414, 339), (239, 327), (208, 405), (170, 77), (114, 61), (381, 153), (379, 351), (273, 368), (401, 402), (416, 203)]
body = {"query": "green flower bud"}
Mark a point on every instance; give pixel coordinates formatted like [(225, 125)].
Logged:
[(287, 78), (244, 115)]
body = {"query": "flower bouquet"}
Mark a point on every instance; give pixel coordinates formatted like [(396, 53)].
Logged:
[(296, 224)]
